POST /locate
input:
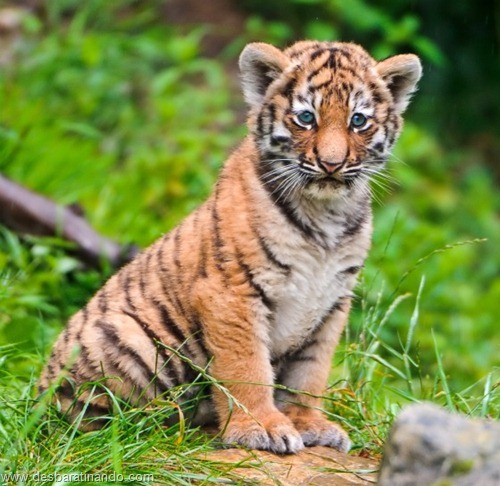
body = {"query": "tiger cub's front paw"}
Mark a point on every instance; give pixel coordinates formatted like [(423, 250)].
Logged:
[(274, 433), (317, 430)]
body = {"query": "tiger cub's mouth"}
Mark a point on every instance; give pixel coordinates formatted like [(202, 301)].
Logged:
[(330, 181), (334, 179)]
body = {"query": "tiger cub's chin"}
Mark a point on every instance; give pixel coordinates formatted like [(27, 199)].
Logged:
[(326, 189), (255, 285)]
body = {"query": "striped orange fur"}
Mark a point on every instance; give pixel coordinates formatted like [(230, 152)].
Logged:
[(256, 284)]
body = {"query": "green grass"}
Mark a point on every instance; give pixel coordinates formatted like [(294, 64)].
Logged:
[(122, 114), (135, 443), (367, 391)]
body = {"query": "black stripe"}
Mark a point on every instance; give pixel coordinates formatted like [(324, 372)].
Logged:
[(260, 123), (177, 249), (295, 52), (202, 262), (287, 210), (112, 336), (377, 97), (157, 342), (50, 369), (314, 73), (316, 155), (94, 410), (65, 334), (86, 375), (165, 280), (170, 324), (178, 269), (269, 254), (102, 301), (299, 357), (301, 98), (346, 87), (200, 337), (357, 96), (317, 53), (202, 266), (250, 279), (58, 364), (305, 162), (144, 272), (345, 53), (155, 339), (331, 63), (85, 314), (88, 361), (186, 343), (336, 306), (261, 240), (295, 354), (126, 282), (80, 326), (218, 242), (279, 139), (66, 389), (272, 118), (289, 88), (354, 224), (352, 270), (110, 333)]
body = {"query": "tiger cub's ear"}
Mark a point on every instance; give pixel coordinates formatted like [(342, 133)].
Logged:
[(260, 64), (401, 73)]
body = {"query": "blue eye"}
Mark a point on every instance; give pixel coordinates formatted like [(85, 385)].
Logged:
[(306, 118), (358, 120)]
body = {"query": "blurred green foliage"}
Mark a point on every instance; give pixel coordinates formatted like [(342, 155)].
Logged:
[(384, 28), (108, 104), (40, 286), (97, 109)]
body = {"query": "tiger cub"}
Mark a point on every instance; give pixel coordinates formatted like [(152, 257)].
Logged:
[(256, 284)]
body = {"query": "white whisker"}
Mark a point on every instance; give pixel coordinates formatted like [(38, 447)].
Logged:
[(283, 184)]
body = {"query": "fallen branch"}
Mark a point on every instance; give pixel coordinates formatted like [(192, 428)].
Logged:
[(26, 212)]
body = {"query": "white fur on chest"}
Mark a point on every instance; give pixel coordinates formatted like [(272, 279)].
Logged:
[(307, 294), (317, 279), (305, 297)]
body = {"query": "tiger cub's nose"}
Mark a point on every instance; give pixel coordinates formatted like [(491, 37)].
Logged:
[(331, 167)]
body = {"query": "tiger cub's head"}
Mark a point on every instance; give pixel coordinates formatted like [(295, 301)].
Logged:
[(324, 115)]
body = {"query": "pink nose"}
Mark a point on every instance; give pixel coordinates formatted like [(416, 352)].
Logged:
[(330, 167)]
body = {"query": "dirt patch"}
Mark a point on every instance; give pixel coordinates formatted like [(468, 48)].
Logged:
[(314, 466)]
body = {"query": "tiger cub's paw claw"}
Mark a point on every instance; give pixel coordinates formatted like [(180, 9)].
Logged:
[(323, 432), (276, 435)]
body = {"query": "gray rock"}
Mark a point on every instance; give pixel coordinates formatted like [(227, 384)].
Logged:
[(429, 446)]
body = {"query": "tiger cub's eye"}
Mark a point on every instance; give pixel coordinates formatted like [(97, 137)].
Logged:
[(358, 120), (305, 118)]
